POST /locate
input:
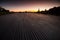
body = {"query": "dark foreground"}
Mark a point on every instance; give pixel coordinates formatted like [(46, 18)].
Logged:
[(29, 26)]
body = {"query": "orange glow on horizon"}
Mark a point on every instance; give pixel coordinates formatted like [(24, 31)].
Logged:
[(24, 10), (27, 10)]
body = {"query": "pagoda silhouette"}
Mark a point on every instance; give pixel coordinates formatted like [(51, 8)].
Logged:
[(38, 11)]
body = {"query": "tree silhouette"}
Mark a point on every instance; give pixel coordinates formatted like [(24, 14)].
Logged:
[(52, 11), (4, 11)]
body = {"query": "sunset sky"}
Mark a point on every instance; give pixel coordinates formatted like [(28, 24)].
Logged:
[(28, 5)]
